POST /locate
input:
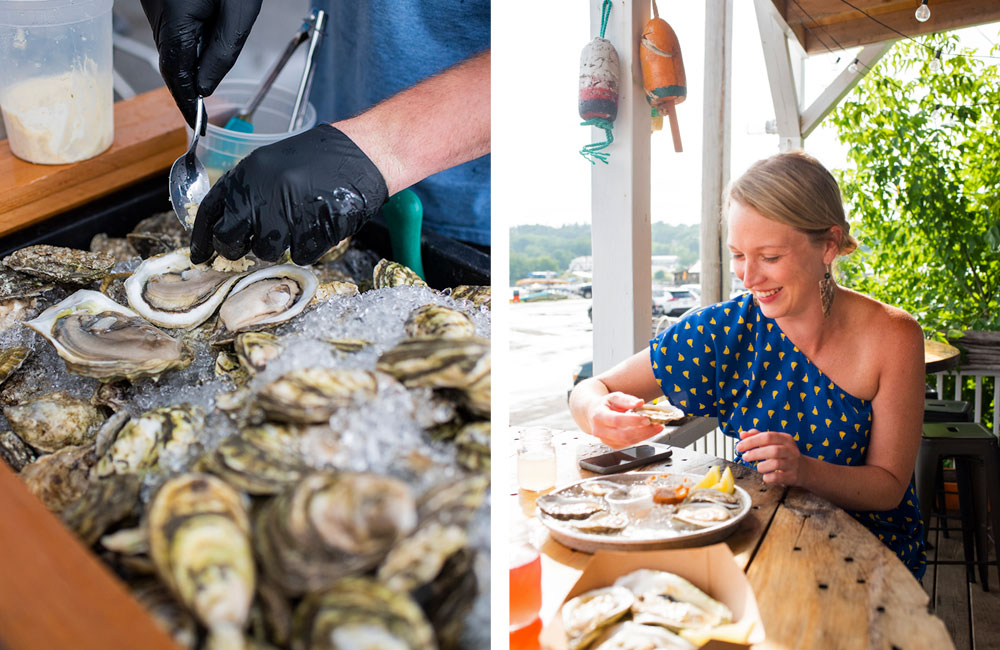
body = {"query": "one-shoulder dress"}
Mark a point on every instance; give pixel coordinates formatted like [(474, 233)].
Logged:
[(731, 362)]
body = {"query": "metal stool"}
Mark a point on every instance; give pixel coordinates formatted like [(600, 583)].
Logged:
[(977, 465)]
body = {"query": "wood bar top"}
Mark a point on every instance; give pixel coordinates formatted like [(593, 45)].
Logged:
[(821, 579), (149, 136), (54, 593)]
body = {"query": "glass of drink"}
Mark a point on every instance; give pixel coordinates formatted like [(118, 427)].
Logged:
[(525, 589), (536, 461)]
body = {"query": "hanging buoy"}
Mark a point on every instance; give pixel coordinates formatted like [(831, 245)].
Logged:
[(662, 73), (599, 89)]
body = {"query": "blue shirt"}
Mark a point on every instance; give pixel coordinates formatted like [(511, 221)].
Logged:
[(374, 49), (731, 362)]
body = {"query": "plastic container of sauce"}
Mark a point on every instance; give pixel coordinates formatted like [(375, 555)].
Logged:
[(56, 89)]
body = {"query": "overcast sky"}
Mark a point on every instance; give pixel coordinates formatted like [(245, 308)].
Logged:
[(538, 176)]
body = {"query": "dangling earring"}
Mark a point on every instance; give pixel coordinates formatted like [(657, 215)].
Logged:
[(826, 292)]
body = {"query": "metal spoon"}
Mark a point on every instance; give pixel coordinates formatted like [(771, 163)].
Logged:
[(188, 180)]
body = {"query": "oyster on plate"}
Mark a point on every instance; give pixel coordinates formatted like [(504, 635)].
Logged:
[(99, 338), (586, 615), (560, 506), (169, 291), (266, 298), (141, 442), (331, 525), (263, 459), (59, 264), (54, 420), (310, 395), (601, 523), (439, 321), (388, 274), (199, 537), (702, 515), (664, 598), (711, 495), (360, 613)]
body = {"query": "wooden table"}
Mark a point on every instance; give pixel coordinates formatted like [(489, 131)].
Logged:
[(940, 356), (820, 578)]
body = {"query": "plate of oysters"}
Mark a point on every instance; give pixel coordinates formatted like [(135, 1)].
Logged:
[(643, 511)]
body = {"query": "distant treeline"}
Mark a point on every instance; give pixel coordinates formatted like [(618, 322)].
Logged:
[(544, 248)]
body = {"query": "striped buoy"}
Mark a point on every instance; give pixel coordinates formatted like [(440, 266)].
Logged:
[(599, 69), (663, 75)]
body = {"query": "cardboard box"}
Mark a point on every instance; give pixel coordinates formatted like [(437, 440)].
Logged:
[(712, 569)]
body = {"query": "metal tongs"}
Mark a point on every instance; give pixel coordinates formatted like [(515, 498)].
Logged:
[(312, 30)]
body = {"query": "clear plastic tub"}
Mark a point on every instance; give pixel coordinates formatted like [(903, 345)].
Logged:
[(220, 149), (56, 89)]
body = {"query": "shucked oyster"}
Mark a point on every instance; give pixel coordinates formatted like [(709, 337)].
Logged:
[(559, 506), (587, 614), (266, 298), (99, 338), (58, 264), (169, 291), (663, 598), (630, 635), (199, 537)]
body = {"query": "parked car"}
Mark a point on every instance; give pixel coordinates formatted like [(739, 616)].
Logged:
[(673, 301), (586, 291)]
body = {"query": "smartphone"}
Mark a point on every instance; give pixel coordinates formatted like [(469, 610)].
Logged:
[(623, 460)]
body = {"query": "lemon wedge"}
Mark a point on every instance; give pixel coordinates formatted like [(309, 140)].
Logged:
[(726, 483), (711, 478)]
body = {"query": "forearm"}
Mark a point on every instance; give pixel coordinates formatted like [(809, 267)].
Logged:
[(441, 122), (865, 487), (583, 395)]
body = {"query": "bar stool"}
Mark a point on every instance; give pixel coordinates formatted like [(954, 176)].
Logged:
[(977, 465)]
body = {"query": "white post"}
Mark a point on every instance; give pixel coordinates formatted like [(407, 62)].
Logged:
[(715, 149), (620, 221), (779, 76)]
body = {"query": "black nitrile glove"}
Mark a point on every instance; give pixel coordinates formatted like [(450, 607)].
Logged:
[(305, 193), (182, 28)]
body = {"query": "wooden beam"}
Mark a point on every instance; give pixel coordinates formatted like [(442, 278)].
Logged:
[(838, 89), (716, 129), (620, 215), (149, 136), (54, 593), (779, 75)]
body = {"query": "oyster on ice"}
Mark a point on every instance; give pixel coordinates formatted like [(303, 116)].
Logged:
[(266, 298), (55, 420), (388, 274), (59, 264), (99, 338), (311, 395), (142, 441), (439, 321), (169, 291), (478, 295)]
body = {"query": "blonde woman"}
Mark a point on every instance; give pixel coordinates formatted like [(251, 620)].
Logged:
[(822, 385)]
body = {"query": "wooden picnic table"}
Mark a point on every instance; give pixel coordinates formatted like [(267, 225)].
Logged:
[(940, 356), (821, 579)]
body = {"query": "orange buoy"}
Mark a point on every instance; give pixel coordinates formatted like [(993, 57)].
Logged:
[(663, 71)]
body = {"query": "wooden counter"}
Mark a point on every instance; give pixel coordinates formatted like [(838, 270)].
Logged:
[(149, 136), (821, 579)]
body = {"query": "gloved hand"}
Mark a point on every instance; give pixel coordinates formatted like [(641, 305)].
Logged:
[(306, 193), (180, 27)]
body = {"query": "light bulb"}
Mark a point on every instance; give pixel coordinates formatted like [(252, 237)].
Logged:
[(853, 68), (935, 64), (923, 12)]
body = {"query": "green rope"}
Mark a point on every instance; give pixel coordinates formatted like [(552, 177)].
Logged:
[(592, 152), (605, 14)]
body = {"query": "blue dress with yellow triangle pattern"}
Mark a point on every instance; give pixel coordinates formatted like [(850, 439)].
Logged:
[(731, 362)]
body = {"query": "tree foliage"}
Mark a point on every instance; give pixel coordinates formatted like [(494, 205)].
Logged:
[(923, 190)]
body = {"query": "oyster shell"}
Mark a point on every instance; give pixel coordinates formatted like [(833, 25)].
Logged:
[(393, 274), (331, 525), (327, 290), (108, 431), (478, 295), (199, 539), (601, 523), (58, 479), (104, 503), (702, 515), (169, 291), (255, 349), (227, 365), (113, 286), (348, 346), (59, 264), (336, 252), (141, 442), (314, 394), (54, 420), (473, 443), (438, 363), (711, 495), (14, 451), (360, 613), (117, 247), (599, 488), (11, 359), (264, 459), (629, 635), (115, 395), (99, 338), (266, 298), (663, 598), (559, 506), (158, 234), (662, 412), (165, 610), (587, 614), (439, 321), (14, 285)]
